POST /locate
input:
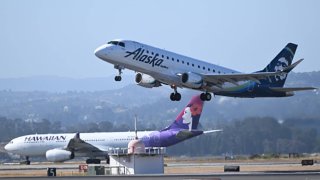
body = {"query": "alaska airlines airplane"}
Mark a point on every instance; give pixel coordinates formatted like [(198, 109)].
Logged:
[(155, 67), (62, 147)]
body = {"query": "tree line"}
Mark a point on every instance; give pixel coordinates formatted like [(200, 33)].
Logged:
[(254, 135)]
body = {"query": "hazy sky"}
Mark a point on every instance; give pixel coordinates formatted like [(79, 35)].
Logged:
[(58, 37)]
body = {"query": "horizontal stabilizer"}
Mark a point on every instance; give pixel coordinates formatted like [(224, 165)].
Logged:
[(291, 89), (185, 134), (212, 131), (289, 68)]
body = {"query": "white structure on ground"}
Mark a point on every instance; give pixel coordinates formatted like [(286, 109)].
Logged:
[(137, 159)]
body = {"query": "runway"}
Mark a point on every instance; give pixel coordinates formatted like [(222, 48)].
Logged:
[(225, 176), (283, 170)]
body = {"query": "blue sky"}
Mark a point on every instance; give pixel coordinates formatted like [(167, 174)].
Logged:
[(58, 37)]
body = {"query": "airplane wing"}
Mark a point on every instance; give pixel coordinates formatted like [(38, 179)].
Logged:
[(76, 144), (212, 131), (184, 134), (256, 76), (290, 89), (235, 78)]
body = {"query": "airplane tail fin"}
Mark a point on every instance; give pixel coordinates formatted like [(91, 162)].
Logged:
[(280, 62), (188, 118)]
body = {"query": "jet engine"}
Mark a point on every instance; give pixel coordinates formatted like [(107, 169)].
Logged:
[(59, 155), (192, 80), (146, 80)]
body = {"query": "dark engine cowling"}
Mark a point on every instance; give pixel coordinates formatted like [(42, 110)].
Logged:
[(146, 80), (192, 80), (59, 155)]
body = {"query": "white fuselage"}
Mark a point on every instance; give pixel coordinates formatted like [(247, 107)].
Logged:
[(39, 144), (165, 68), (155, 67)]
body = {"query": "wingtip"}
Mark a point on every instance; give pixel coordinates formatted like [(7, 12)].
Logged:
[(300, 60), (212, 131)]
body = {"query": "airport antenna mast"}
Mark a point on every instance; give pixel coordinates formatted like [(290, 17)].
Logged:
[(135, 126)]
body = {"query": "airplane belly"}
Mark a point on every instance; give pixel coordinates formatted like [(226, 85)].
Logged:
[(229, 87), (90, 154), (38, 150)]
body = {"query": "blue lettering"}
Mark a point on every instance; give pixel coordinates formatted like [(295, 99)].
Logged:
[(139, 55)]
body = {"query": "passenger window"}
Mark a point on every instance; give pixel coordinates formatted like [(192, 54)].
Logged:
[(152, 53), (182, 62), (213, 70), (198, 66), (167, 57), (172, 59), (188, 63), (147, 52), (204, 68), (177, 60), (208, 69), (192, 65), (162, 56)]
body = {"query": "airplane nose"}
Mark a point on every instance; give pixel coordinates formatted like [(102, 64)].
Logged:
[(100, 51), (7, 147)]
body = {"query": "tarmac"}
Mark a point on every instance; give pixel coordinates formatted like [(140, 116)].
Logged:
[(174, 170), (227, 176)]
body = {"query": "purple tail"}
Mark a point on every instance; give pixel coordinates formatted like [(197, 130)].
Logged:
[(184, 127), (189, 117)]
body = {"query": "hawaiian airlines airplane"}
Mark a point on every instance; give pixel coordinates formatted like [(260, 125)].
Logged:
[(62, 147), (155, 67)]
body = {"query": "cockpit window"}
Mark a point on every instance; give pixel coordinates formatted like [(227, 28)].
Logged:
[(117, 43), (121, 44), (113, 42)]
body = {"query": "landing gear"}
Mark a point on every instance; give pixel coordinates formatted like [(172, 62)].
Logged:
[(26, 162), (118, 78), (93, 161), (175, 96), (205, 96), (108, 159)]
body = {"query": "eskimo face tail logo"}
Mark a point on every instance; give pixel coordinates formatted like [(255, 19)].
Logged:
[(281, 64)]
